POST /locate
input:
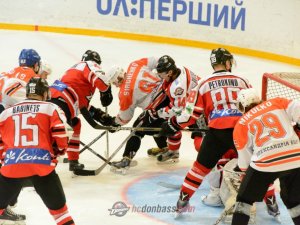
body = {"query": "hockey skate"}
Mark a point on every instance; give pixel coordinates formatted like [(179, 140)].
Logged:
[(121, 167), (75, 165), (154, 152), (272, 208), (213, 198), (182, 204), (9, 217), (168, 157)]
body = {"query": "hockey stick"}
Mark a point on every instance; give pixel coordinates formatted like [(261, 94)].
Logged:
[(223, 215), (169, 185), (94, 152), (97, 171), (65, 160), (107, 139), (148, 129)]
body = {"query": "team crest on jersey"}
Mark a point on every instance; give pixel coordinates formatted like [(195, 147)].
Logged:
[(27, 156), (178, 91)]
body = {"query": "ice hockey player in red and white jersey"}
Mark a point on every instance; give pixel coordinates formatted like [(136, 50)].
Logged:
[(178, 84), (13, 83), (13, 87), (268, 148), (73, 92), (32, 135), (139, 88), (215, 96)]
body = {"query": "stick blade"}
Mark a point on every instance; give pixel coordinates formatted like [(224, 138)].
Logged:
[(86, 172)]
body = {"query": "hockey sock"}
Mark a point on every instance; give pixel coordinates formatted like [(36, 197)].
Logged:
[(174, 142), (62, 216), (240, 219), (270, 193), (161, 141), (194, 178), (132, 146), (74, 142)]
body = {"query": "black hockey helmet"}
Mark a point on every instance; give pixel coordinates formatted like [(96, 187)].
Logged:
[(37, 86), (220, 56), (165, 64), (90, 55)]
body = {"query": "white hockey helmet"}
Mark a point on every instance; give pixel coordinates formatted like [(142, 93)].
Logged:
[(116, 75), (246, 97), (45, 68)]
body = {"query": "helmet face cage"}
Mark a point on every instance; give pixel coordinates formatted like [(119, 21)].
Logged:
[(220, 56), (165, 64), (90, 55), (29, 57), (37, 86)]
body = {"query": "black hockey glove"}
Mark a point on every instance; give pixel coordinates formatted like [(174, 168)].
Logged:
[(115, 125), (106, 97), (169, 128), (150, 116), (56, 150), (100, 116)]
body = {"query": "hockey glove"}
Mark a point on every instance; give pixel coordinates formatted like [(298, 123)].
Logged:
[(106, 97), (169, 128), (100, 116), (56, 150), (150, 116), (115, 125)]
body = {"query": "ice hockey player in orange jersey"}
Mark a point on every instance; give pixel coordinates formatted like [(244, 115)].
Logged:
[(13, 83), (268, 148)]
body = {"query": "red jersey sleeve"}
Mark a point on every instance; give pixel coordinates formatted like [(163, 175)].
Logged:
[(58, 131)]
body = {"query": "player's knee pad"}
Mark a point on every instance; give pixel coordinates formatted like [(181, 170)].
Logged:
[(242, 208), (295, 211)]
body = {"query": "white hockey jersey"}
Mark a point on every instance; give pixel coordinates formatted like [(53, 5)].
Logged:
[(138, 88), (178, 92)]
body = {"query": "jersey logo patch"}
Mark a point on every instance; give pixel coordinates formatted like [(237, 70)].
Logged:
[(178, 91), (58, 85), (215, 114), (27, 156)]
